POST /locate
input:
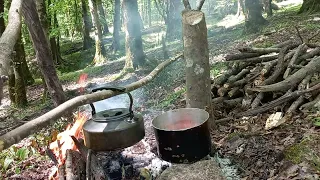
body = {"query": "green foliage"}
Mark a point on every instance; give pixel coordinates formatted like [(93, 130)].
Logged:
[(316, 121), (13, 154), (171, 98)]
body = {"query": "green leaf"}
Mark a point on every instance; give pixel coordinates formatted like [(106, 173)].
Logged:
[(22, 153), (316, 121), (7, 162), (18, 170)]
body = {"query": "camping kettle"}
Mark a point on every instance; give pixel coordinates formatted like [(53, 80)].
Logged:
[(113, 129)]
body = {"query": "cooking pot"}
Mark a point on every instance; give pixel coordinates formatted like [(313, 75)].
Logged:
[(114, 128), (182, 135)]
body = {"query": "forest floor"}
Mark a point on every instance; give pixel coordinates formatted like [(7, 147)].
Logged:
[(291, 151)]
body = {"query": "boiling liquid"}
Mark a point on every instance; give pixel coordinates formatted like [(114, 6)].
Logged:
[(182, 124)]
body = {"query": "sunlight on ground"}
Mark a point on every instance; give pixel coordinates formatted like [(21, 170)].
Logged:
[(231, 20), (289, 3)]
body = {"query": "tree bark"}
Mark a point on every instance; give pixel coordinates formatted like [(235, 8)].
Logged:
[(134, 48), (268, 7), (87, 42), (100, 50), (31, 126), (20, 96), (10, 36), (174, 20), (240, 10), (103, 16), (43, 53), (254, 18), (149, 13), (196, 54), (41, 8), (116, 27), (310, 6), (2, 25)]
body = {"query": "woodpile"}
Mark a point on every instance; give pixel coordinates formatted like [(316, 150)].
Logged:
[(284, 77)]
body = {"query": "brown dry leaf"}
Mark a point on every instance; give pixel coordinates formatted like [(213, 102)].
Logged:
[(34, 143), (54, 135)]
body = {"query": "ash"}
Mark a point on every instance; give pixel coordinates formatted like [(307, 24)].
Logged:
[(135, 162)]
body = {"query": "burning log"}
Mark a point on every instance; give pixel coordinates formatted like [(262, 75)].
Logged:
[(294, 73)]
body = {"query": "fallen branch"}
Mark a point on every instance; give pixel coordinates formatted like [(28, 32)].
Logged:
[(285, 98), (32, 126), (311, 68), (259, 50), (300, 50)]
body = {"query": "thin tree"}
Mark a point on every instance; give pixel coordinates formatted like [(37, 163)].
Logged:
[(116, 27), (87, 42), (103, 17), (134, 48), (43, 53), (2, 25), (254, 18), (100, 50)]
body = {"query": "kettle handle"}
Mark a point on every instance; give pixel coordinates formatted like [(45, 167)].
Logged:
[(119, 89)]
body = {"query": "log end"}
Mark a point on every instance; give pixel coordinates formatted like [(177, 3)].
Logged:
[(192, 17)]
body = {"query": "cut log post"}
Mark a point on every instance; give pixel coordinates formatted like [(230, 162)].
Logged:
[(196, 54), (231, 57), (75, 166), (222, 91), (257, 101), (267, 68), (95, 165), (31, 126), (233, 102)]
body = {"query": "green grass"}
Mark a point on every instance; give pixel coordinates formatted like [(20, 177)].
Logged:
[(171, 98)]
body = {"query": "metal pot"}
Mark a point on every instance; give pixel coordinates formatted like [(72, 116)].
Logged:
[(114, 128), (182, 135)]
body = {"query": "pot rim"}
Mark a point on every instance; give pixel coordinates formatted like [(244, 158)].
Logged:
[(184, 129)]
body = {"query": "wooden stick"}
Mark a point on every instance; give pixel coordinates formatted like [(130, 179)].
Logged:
[(32, 126), (200, 5), (186, 4)]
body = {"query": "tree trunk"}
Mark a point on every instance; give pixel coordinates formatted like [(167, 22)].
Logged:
[(103, 17), (2, 25), (310, 6), (174, 20), (149, 13), (134, 48), (11, 84), (87, 42), (196, 54), (100, 50), (54, 42), (10, 36), (41, 8), (268, 7), (43, 53), (19, 86), (254, 18), (116, 27), (28, 79), (240, 10)]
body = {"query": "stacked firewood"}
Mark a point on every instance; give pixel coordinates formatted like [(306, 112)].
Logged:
[(284, 77)]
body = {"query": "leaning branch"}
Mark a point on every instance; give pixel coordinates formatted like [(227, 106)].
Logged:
[(32, 126), (10, 36)]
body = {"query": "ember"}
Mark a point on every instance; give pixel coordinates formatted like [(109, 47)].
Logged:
[(182, 124)]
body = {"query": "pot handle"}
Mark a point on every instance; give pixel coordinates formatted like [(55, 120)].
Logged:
[(119, 89)]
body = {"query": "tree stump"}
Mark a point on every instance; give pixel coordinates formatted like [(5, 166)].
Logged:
[(196, 54)]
